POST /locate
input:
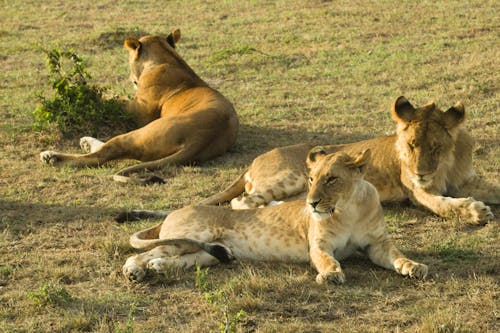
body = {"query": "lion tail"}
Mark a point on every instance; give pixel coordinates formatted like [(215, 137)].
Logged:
[(148, 238), (136, 215), (232, 191), (145, 239), (181, 156)]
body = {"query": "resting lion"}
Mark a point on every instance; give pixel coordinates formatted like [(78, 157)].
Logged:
[(429, 160), (342, 214), (183, 120)]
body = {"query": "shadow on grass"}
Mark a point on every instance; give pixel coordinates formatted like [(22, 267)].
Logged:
[(255, 140), (22, 217), (114, 39)]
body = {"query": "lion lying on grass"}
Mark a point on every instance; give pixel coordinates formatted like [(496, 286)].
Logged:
[(183, 120), (429, 160), (342, 214)]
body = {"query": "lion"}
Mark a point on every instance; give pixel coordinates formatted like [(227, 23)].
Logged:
[(182, 120), (428, 160), (342, 214)]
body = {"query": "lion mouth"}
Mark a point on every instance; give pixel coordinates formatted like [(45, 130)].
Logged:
[(321, 215), (422, 179)]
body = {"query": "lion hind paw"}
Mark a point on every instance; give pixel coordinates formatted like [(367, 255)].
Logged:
[(49, 157)]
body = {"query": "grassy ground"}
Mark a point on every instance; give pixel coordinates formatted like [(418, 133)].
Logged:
[(318, 71)]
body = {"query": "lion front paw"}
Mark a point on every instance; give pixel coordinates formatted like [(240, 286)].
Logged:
[(411, 268), (480, 213), (337, 277), (49, 157)]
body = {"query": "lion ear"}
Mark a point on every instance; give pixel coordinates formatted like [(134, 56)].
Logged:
[(132, 44), (174, 37), (402, 110), (454, 116), (315, 154), (361, 160)]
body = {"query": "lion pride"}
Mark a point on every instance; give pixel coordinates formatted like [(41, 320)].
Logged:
[(428, 160), (342, 214), (182, 119)]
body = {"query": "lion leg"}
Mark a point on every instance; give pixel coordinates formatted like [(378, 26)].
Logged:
[(329, 269), (162, 265), (480, 189), (466, 208), (149, 143), (135, 267), (121, 146), (384, 253)]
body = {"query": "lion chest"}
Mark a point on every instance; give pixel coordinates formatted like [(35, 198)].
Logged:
[(351, 231), (347, 244)]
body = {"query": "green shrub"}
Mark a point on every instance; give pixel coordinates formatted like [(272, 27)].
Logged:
[(50, 294), (76, 107)]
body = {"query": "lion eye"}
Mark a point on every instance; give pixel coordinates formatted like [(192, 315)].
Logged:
[(311, 180), (331, 180), (411, 146)]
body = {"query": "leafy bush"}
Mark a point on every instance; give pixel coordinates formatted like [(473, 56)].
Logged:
[(50, 294), (76, 106)]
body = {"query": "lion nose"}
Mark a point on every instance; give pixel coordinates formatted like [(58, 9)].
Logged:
[(314, 203), (420, 176)]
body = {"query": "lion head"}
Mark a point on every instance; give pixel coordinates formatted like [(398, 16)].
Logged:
[(149, 51), (426, 138), (332, 179)]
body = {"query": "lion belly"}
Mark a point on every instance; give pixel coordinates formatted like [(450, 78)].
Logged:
[(267, 247)]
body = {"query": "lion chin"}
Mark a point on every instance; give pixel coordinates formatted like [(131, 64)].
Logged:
[(320, 216)]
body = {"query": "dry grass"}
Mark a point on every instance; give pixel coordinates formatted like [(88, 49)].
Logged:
[(318, 71)]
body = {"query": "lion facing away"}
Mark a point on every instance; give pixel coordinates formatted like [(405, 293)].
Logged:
[(428, 160), (183, 120), (342, 214)]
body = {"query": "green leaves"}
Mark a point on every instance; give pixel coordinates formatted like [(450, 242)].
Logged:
[(50, 295), (76, 106)]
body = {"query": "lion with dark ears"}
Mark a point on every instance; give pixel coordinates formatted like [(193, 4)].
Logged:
[(182, 119), (428, 160)]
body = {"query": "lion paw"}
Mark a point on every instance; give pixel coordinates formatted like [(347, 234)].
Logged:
[(158, 265), (247, 202), (133, 272), (337, 277), (89, 144), (412, 269), (479, 212), (49, 157)]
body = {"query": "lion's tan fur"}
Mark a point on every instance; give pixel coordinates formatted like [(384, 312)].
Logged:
[(183, 120), (349, 218), (443, 156)]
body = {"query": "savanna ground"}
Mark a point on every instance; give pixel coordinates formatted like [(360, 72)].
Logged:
[(317, 71)]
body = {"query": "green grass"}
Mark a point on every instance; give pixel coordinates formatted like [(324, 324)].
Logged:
[(315, 71)]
